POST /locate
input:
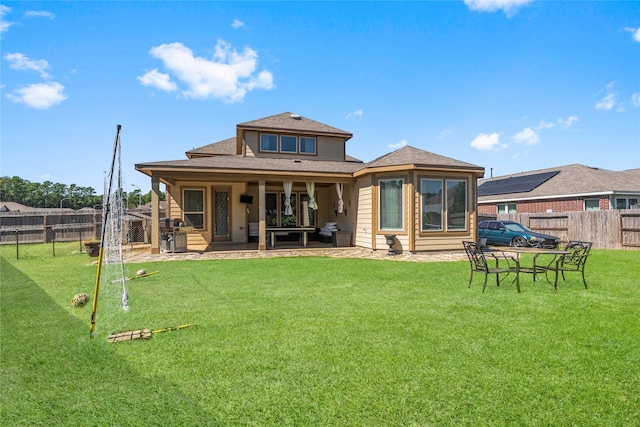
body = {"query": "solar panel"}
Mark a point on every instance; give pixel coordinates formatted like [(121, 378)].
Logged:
[(515, 184)]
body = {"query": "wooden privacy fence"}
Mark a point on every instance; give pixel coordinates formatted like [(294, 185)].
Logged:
[(612, 229), (38, 227)]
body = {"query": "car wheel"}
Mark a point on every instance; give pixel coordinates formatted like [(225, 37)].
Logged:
[(519, 241)]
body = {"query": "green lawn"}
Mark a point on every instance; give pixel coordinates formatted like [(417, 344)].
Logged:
[(320, 341)]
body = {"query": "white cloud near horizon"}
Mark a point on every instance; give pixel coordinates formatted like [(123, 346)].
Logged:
[(509, 7), (18, 61), (400, 144), (40, 95), (229, 75), (356, 113), (237, 23), (486, 142), (39, 14), (527, 136)]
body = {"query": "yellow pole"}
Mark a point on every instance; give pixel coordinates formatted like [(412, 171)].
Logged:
[(96, 289)]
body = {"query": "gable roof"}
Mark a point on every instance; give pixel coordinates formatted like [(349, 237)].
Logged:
[(571, 181), (416, 158), (289, 122)]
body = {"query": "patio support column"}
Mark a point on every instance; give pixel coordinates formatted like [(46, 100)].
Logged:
[(155, 215), (262, 220)]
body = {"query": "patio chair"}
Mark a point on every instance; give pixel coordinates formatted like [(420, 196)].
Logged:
[(478, 263), (574, 261)]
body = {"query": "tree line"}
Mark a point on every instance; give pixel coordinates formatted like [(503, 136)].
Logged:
[(55, 195)]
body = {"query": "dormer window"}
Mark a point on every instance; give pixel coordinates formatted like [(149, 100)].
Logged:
[(307, 145), (269, 142), (287, 144)]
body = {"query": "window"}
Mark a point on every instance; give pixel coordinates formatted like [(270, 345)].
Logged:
[(194, 208), (627, 203), (591, 204), (438, 205), (288, 144), (507, 208), (390, 204), (431, 199), (268, 142), (307, 145), (456, 204), (288, 220), (271, 208)]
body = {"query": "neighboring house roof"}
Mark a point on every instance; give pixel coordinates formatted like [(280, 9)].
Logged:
[(17, 207), (289, 122), (570, 181)]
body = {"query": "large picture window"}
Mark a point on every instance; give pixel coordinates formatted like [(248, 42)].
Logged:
[(390, 204), (194, 208), (438, 205), (274, 210)]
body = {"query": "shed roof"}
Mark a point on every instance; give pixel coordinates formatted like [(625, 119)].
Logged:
[(570, 181)]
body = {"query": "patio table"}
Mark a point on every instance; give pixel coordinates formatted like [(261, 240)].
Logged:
[(536, 268), (301, 230)]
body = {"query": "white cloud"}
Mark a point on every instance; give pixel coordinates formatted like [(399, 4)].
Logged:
[(486, 142), (158, 80), (4, 25), (635, 33), (18, 61), (509, 7), (41, 96), (357, 113), (635, 99), (39, 14), (545, 125), (609, 100), (527, 136), (229, 75), (398, 145), (570, 121), (237, 23)]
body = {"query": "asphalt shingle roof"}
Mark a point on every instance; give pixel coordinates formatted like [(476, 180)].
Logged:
[(571, 180), (294, 123)]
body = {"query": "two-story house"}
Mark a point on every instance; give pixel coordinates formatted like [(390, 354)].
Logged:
[(290, 171)]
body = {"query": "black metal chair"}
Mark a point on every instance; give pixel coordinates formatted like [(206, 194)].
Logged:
[(574, 261), (478, 263)]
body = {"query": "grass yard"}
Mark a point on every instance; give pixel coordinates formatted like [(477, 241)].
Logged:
[(321, 342)]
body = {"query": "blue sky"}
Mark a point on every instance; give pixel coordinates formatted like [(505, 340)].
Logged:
[(507, 85)]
